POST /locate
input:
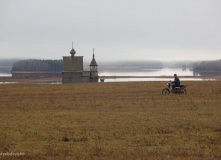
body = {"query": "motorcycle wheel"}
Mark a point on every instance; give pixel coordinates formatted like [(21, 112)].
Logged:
[(165, 91), (183, 91)]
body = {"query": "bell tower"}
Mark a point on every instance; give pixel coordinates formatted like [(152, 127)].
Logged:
[(93, 65), (93, 70)]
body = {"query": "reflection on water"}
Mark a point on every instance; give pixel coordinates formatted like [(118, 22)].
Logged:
[(8, 82), (154, 79), (50, 82)]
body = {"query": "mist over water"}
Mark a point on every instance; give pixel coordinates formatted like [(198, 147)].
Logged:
[(148, 72)]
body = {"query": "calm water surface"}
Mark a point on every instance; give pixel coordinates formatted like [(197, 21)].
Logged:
[(154, 72)]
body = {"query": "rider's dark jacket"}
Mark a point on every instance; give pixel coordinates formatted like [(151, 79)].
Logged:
[(176, 81)]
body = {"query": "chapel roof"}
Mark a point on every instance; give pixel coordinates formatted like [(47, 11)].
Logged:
[(93, 61)]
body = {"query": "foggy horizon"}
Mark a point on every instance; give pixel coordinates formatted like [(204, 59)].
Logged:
[(122, 30)]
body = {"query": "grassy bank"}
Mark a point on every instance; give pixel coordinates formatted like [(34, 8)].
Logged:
[(110, 121)]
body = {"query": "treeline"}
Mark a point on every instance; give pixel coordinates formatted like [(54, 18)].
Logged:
[(37, 65), (208, 65), (56, 65)]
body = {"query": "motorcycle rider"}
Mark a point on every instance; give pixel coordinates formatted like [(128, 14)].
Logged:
[(176, 82)]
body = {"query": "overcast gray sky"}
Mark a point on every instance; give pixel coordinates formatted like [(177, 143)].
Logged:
[(117, 29)]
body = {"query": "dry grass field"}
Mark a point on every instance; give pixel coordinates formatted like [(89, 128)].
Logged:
[(129, 120)]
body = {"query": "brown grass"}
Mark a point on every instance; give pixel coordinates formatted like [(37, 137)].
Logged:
[(110, 121)]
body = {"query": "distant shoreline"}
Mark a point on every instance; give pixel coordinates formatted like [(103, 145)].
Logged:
[(195, 77), (36, 72), (29, 79), (207, 70), (56, 79)]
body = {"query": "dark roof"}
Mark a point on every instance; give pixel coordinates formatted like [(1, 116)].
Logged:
[(93, 62)]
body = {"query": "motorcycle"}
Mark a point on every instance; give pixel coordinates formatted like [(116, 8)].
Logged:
[(177, 90)]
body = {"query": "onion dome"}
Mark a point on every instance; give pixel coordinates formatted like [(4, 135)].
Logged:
[(72, 51)]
